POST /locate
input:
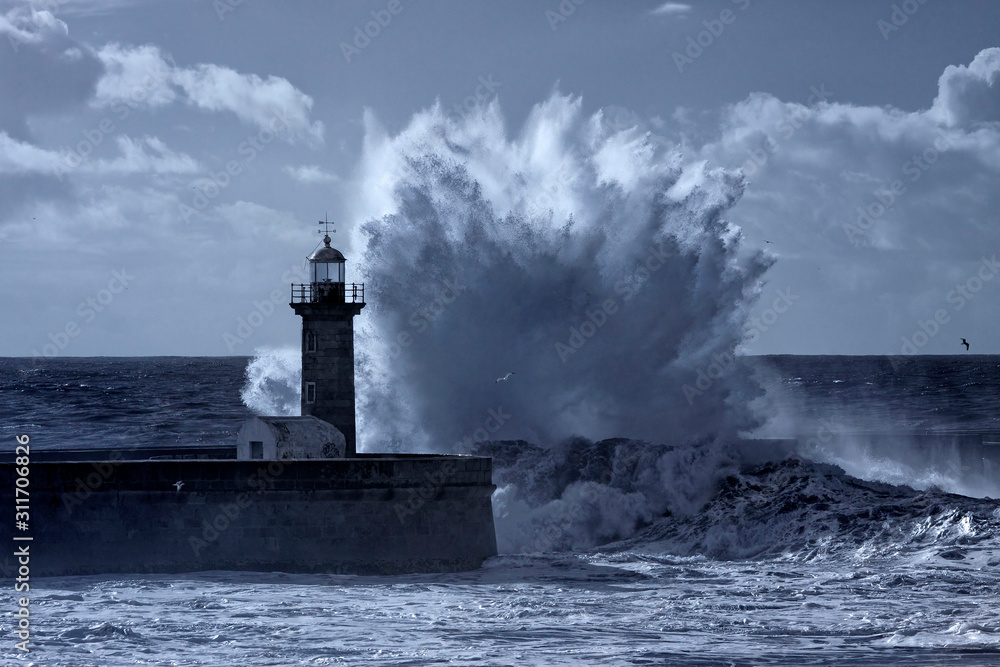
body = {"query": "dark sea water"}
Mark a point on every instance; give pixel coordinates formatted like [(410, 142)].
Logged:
[(119, 401), (615, 552), (123, 401), (891, 394)]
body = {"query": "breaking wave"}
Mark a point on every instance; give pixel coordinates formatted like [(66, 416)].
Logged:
[(624, 495), (273, 382), (593, 263)]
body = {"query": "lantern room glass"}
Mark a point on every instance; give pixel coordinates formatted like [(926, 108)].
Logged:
[(328, 272)]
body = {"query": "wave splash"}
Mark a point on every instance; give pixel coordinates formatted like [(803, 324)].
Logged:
[(592, 263), (273, 382), (629, 496)]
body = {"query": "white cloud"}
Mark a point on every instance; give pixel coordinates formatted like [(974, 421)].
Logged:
[(18, 157), (28, 26), (90, 8), (310, 174), (672, 9), (135, 158), (139, 77), (149, 155), (970, 95), (257, 101), (142, 77)]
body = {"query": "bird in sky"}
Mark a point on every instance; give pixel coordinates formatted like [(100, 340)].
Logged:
[(178, 485), (505, 377), (766, 241), (966, 344)]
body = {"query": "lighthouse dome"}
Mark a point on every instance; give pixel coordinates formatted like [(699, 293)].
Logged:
[(326, 253)]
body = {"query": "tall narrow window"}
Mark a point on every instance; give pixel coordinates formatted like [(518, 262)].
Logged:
[(310, 342), (310, 392), (256, 449)]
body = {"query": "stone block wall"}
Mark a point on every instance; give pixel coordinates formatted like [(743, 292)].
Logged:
[(370, 515), (331, 365)]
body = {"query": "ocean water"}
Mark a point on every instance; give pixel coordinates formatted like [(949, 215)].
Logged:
[(618, 552)]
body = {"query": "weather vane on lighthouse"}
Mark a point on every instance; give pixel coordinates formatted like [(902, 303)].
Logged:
[(326, 228)]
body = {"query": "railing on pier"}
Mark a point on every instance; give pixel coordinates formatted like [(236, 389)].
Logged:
[(328, 293)]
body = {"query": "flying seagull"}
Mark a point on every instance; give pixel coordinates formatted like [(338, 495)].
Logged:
[(966, 344), (178, 485), (505, 377)]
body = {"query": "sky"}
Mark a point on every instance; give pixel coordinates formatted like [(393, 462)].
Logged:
[(163, 165)]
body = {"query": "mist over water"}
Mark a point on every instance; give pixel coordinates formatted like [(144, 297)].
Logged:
[(593, 264)]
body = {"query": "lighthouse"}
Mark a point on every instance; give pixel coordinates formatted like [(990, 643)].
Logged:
[(327, 306)]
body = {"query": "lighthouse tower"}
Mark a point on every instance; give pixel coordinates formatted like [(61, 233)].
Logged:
[(327, 306)]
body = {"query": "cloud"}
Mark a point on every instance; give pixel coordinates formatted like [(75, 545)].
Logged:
[(142, 77), (139, 77), (25, 25), (970, 95), (149, 155), (310, 174), (892, 207), (254, 100), (19, 157), (91, 8), (672, 9), (135, 159)]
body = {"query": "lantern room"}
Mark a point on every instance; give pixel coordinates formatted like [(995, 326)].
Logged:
[(326, 265)]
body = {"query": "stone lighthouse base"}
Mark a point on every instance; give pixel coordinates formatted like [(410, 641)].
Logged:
[(374, 514)]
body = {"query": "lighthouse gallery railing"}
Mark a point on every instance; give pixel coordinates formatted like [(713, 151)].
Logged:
[(328, 293)]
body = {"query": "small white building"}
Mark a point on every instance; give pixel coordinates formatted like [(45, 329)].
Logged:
[(277, 438)]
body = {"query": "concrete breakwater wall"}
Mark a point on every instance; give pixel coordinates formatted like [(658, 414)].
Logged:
[(375, 514)]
